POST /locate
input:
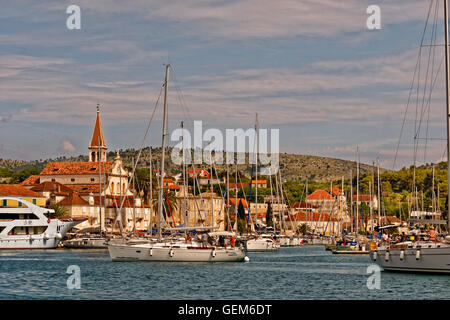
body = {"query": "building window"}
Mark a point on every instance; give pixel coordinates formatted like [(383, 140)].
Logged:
[(112, 187), (34, 201), (5, 202), (92, 179), (53, 180), (73, 180)]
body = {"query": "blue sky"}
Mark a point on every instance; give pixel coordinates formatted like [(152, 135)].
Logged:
[(308, 67)]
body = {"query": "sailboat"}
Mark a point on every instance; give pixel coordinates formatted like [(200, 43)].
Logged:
[(422, 256), (167, 250)]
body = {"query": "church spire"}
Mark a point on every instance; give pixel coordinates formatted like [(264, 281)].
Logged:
[(98, 142)]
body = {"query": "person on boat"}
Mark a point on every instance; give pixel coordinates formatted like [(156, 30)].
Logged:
[(432, 233), (232, 241), (221, 241), (188, 238), (403, 237), (385, 237)]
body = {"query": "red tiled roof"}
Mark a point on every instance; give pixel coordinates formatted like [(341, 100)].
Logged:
[(86, 188), (319, 195), (260, 181), (311, 216), (17, 190), (232, 185), (336, 191), (172, 187), (51, 186), (31, 181), (74, 168), (73, 199), (304, 205), (200, 173), (235, 202)]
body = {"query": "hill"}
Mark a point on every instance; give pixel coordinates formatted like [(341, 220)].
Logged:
[(293, 167)]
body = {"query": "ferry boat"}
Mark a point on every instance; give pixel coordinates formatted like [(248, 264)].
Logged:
[(27, 226)]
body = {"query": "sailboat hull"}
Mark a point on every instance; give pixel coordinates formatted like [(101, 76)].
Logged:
[(426, 260), (174, 254)]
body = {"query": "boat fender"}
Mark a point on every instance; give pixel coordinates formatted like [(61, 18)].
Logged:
[(246, 259), (386, 256), (375, 253), (214, 253), (402, 255), (58, 236), (171, 252), (417, 254), (48, 220), (46, 237), (151, 252), (31, 237)]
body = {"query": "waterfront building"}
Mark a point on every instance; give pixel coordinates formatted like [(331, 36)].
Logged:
[(19, 191), (316, 222)]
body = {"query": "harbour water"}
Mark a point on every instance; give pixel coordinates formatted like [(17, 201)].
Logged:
[(298, 273)]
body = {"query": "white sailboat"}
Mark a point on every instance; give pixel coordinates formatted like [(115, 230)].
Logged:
[(176, 251), (422, 256), (27, 226)]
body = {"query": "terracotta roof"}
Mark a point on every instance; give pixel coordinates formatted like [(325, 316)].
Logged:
[(51, 186), (311, 216), (172, 187), (304, 205), (114, 201), (167, 180), (337, 191), (260, 181), (31, 181), (74, 168), (97, 136), (86, 188), (17, 190), (200, 173), (73, 199), (235, 201), (232, 185), (319, 195)]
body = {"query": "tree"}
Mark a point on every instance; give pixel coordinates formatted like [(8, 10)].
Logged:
[(303, 229), (269, 215), (242, 227), (60, 211)]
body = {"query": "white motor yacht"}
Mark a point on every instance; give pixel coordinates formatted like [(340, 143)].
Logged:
[(27, 226)]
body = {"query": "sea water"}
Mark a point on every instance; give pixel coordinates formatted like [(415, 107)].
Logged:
[(292, 273)]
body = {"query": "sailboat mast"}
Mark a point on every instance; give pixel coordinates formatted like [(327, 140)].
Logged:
[(447, 82), (163, 145)]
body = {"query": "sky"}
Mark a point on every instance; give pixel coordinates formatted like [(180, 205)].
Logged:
[(310, 68)]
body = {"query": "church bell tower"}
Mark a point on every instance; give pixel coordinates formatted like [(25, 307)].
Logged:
[(97, 147)]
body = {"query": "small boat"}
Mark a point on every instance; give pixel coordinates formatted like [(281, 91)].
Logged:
[(28, 227), (86, 243), (263, 243)]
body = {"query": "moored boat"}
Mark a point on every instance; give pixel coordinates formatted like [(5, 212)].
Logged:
[(28, 227)]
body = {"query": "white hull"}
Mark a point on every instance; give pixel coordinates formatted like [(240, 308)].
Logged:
[(423, 259), (43, 233), (175, 253), (86, 243), (260, 245)]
